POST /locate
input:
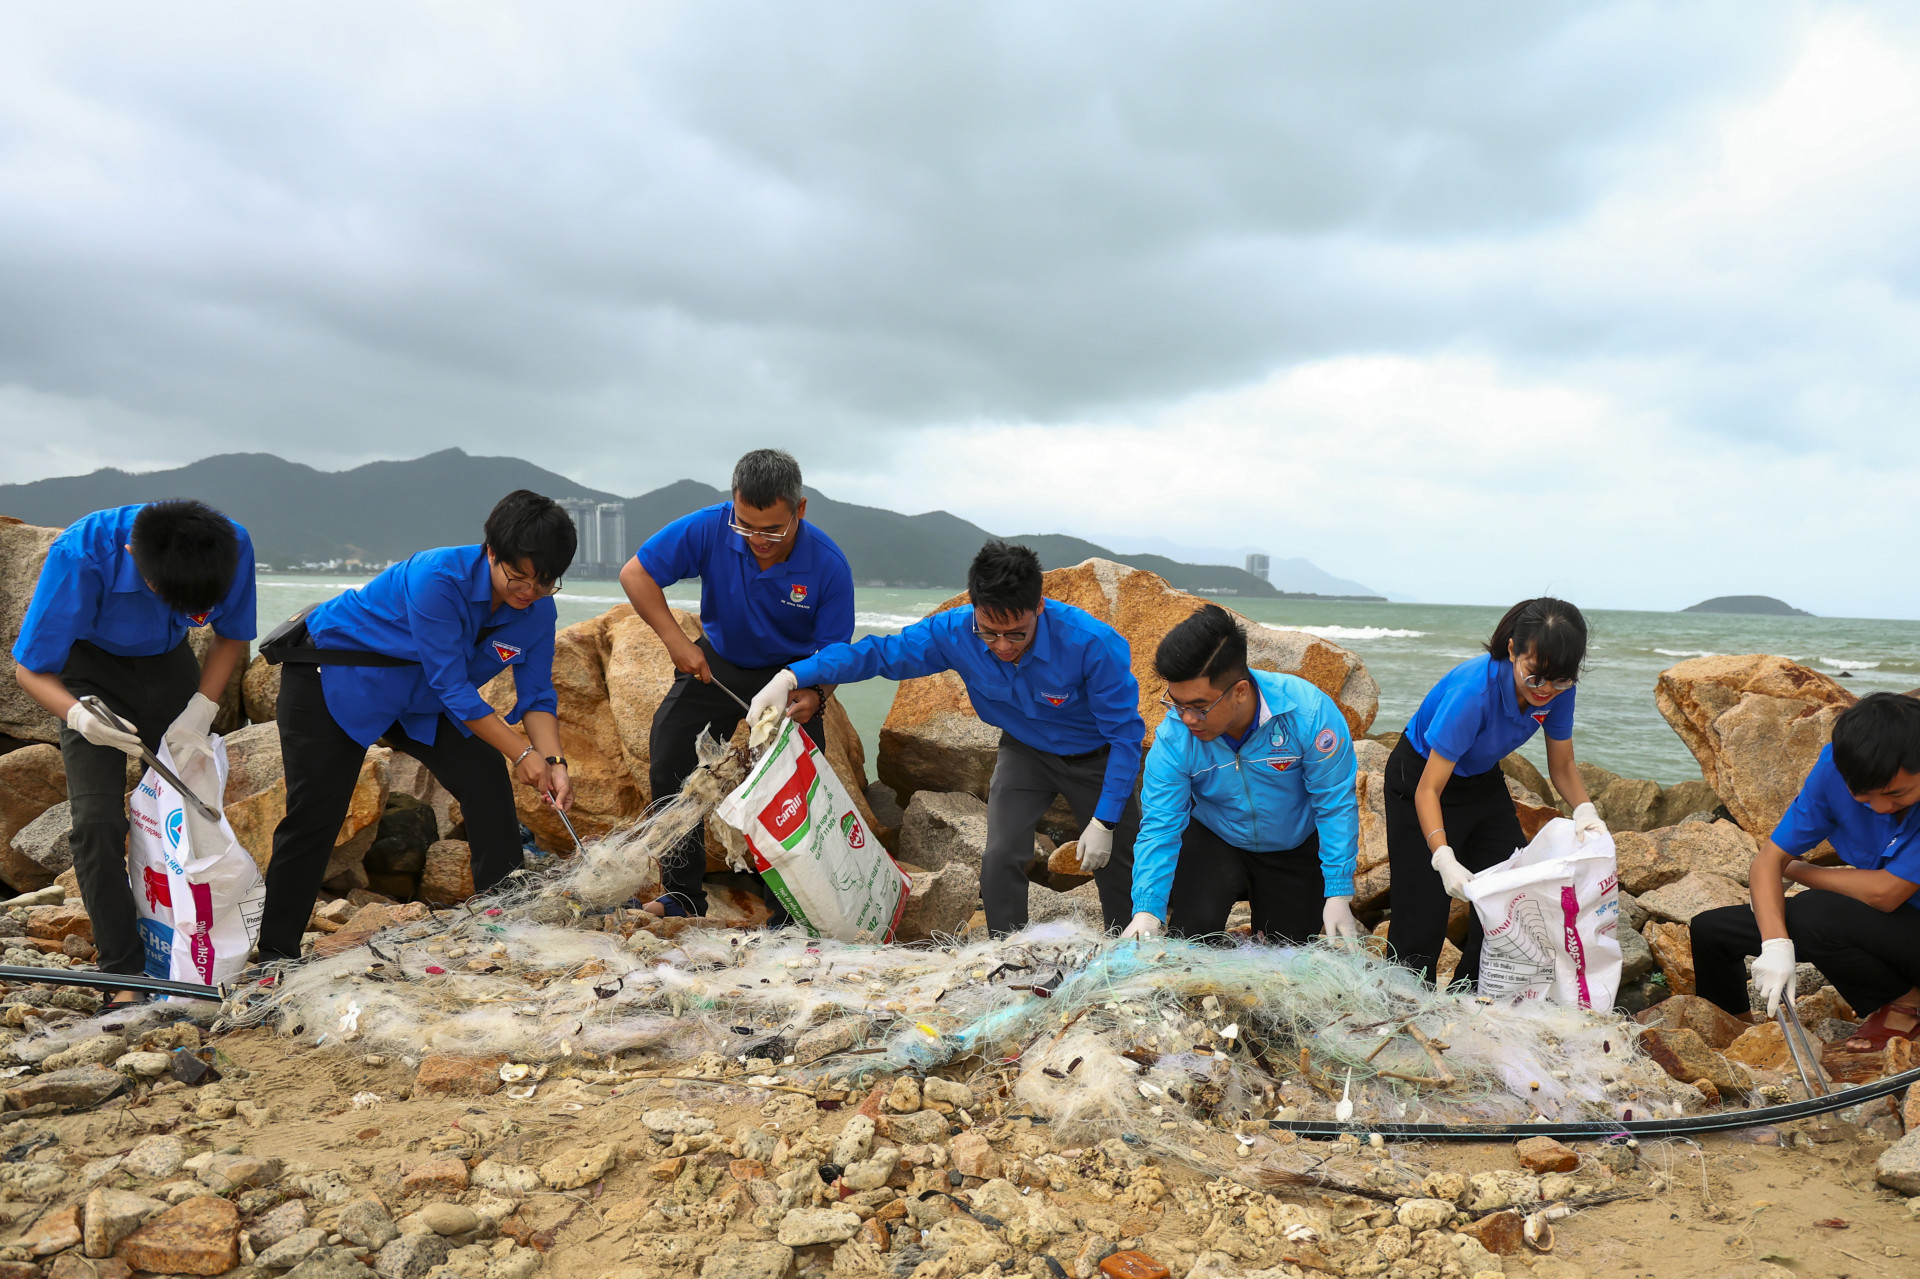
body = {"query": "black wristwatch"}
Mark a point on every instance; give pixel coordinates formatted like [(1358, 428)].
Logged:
[(557, 759)]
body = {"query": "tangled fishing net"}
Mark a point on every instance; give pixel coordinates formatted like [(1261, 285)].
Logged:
[(1103, 1036)]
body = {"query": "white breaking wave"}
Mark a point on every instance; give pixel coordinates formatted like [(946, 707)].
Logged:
[(1684, 652), (884, 621), (571, 598), (1839, 665), (1350, 632)]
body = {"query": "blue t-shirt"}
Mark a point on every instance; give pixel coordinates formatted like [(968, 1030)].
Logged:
[(90, 590), (431, 608), (1826, 809), (1071, 692), (1475, 718), (756, 618)]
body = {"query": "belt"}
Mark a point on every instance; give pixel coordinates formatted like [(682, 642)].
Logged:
[(1086, 755)]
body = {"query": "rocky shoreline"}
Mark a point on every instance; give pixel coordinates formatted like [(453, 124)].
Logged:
[(152, 1145)]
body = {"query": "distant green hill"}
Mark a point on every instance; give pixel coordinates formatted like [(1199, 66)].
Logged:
[(387, 510), (1755, 605)]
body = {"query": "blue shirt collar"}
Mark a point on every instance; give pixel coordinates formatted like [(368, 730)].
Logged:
[(1042, 646), (480, 578), (126, 575), (1503, 676)]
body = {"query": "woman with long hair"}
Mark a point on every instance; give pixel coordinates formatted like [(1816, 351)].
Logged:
[(1448, 811)]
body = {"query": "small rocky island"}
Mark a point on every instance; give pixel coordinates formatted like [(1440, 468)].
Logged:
[(1754, 605)]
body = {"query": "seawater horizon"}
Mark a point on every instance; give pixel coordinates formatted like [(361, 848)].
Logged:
[(1406, 648)]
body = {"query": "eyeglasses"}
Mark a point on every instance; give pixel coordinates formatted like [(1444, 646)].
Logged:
[(761, 533), (1195, 714), (1541, 681), (517, 582), (994, 637)]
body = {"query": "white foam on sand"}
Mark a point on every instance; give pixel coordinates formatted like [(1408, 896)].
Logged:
[(1684, 652), (1351, 632)]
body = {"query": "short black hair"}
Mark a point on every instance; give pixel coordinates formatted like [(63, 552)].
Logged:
[(1554, 631), (1211, 642), (766, 476), (525, 526), (1875, 739), (1004, 580), (187, 552)]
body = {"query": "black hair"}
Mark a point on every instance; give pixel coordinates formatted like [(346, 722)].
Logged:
[(1004, 580), (187, 552), (1211, 643), (766, 476), (1875, 739), (525, 526), (1552, 630)]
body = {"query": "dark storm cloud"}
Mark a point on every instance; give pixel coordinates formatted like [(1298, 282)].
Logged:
[(631, 241)]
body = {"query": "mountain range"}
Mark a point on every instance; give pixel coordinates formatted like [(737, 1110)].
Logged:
[(385, 511)]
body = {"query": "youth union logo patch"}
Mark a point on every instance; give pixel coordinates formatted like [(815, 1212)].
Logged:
[(505, 652), (1326, 741), (199, 619), (798, 595), (1539, 717), (1281, 765), (1054, 699)]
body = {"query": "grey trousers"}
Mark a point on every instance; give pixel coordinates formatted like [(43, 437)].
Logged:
[(1025, 782)]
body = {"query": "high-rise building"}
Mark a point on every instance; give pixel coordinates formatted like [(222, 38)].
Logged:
[(613, 533), (586, 529), (1257, 565)]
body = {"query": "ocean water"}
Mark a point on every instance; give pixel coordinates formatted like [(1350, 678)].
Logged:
[(1406, 648)]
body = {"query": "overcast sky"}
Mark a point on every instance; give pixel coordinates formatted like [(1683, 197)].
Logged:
[(1465, 301)]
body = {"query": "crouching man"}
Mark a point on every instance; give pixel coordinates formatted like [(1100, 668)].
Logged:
[(1059, 686), (1859, 924), (109, 619), (1248, 797)]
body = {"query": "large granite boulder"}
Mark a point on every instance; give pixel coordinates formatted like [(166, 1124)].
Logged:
[(611, 673), (32, 780), (256, 800), (1656, 858), (1756, 724), (932, 740), (23, 549), (260, 691)]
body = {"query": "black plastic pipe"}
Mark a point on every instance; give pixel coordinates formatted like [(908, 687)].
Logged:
[(1601, 1130)]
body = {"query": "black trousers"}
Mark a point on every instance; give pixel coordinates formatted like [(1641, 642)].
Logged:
[(1285, 889), (149, 693), (1025, 782), (688, 707), (1482, 829), (1871, 956), (322, 764)]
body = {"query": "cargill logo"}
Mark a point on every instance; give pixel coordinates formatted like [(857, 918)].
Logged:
[(788, 810)]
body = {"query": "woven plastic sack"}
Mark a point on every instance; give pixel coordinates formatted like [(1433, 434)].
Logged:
[(807, 841), (1551, 914), (197, 894)]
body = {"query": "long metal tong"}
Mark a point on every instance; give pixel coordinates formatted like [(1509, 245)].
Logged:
[(97, 707), (1800, 1047)]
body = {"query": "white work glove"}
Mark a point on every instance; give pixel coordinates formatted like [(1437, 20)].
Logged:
[(99, 732), (1453, 876), (1095, 847), (1336, 918), (1587, 823), (1773, 972), (773, 697), (191, 751), (1143, 926)]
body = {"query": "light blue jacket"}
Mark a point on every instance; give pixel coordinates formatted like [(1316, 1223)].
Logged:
[(1294, 772)]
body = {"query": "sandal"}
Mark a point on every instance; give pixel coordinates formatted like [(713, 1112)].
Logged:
[(1874, 1032)]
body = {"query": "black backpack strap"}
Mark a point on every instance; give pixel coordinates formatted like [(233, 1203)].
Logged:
[(290, 642)]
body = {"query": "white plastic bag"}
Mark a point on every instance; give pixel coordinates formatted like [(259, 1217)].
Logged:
[(809, 844), (1551, 913), (196, 892)]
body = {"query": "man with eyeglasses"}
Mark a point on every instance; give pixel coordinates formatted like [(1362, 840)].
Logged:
[(1058, 684), (402, 660), (773, 589), (1248, 796)]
